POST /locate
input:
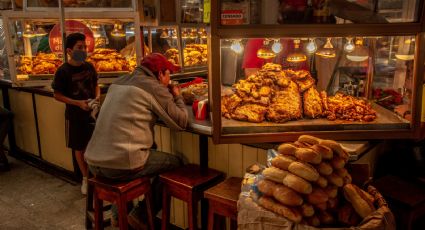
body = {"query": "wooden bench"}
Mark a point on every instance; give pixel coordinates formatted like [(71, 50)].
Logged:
[(222, 201)]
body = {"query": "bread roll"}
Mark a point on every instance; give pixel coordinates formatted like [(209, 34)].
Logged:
[(266, 187), (331, 191), (303, 170), (335, 180), (309, 139), (347, 215), (325, 151), (337, 163), (341, 172), (287, 196), (322, 182), (275, 174), (307, 210), (317, 196), (324, 168), (282, 161), (308, 155), (336, 147), (297, 183), (290, 213), (360, 205), (313, 221), (321, 207), (326, 218), (286, 149), (300, 144)]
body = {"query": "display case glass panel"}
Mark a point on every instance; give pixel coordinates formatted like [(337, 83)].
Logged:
[(110, 43), (194, 43), (192, 11), (4, 66), (319, 11), (272, 85), (86, 4), (32, 54), (164, 40)]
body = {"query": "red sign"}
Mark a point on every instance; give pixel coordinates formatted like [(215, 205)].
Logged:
[(232, 17), (71, 26)]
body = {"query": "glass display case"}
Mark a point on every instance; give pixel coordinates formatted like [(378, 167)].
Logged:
[(272, 83), (35, 44), (77, 5), (171, 40), (4, 66)]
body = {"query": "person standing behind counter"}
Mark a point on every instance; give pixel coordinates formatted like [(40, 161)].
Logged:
[(121, 146), (75, 84)]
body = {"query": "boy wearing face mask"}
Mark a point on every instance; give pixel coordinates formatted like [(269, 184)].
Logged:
[(75, 83)]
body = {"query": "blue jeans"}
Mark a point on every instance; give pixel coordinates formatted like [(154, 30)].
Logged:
[(156, 163)]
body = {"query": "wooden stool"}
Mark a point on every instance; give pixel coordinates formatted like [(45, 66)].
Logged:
[(119, 194), (187, 184), (406, 199), (222, 200)]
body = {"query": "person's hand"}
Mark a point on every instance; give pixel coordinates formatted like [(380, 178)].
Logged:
[(175, 90), (83, 104)]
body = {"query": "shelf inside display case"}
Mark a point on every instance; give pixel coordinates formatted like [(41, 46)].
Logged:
[(386, 120)]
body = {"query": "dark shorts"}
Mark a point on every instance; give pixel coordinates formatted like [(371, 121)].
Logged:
[(78, 133)]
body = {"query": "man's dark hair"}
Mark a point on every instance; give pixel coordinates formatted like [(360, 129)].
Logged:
[(73, 38)]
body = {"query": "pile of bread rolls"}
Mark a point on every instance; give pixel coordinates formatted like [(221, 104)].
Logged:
[(308, 183)]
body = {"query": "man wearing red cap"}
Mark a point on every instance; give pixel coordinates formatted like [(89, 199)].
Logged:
[(121, 145)]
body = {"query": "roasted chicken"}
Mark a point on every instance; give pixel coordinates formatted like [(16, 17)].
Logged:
[(346, 107), (312, 103), (286, 105)]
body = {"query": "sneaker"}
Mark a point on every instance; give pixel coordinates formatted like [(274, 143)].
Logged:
[(84, 186)]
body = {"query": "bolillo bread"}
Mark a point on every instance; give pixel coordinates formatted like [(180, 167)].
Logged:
[(325, 151), (286, 149), (304, 170), (336, 147), (307, 210), (282, 161), (361, 205), (337, 163), (322, 182), (297, 183), (309, 139), (287, 196), (324, 168), (308, 155), (275, 174), (291, 213), (335, 180), (266, 187), (317, 196)]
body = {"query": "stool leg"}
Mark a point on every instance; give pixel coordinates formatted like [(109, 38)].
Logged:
[(98, 212), (193, 213), (122, 213), (210, 217), (89, 205), (148, 197), (166, 199), (233, 224)]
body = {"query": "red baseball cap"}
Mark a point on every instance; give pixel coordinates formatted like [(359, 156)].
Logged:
[(156, 62)]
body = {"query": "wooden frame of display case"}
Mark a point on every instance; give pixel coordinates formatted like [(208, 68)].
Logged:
[(133, 7), (312, 30), (15, 15)]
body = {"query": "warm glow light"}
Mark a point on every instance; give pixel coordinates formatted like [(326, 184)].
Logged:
[(311, 46), (327, 51), (28, 31), (118, 31), (297, 55), (40, 31), (265, 52), (164, 34), (236, 46), (360, 52), (349, 46), (277, 46)]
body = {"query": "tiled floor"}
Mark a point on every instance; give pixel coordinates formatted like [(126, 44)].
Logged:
[(33, 199)]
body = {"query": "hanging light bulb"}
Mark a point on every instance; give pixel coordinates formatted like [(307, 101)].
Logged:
[(193, 34), (406, 54), (174, 34), (297, 55), (277, 46), (311, 46), (328, 50), (349, 46), (28, 31), (164, 34), (118, 31), (236, 46), (360, 53), (265, 52)]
